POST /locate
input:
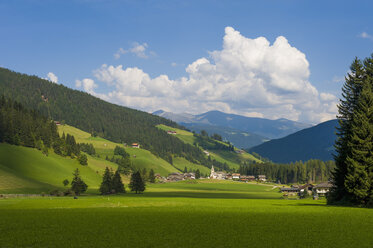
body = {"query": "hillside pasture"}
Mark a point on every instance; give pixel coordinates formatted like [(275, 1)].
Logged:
[(28, 170), (140, 158)]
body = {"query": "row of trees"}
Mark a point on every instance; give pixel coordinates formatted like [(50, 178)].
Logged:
[(353, 177), (112, 183), (299, 172)]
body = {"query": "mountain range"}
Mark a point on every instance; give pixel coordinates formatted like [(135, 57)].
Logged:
[(242, 131)]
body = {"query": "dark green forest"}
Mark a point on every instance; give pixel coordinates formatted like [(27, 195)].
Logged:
[(25, 127), (311, 171), (91, 114)]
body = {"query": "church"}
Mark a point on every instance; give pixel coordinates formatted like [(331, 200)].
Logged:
[(217, 175)]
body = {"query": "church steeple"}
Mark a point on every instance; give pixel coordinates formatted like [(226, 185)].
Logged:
[(212, 174)]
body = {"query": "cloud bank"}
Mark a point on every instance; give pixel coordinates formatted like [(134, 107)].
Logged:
[(247, 76)]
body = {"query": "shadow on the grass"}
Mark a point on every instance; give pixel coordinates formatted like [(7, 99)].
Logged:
[(207, 195)]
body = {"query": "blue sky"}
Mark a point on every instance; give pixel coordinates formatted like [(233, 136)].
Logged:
[(73, 39)]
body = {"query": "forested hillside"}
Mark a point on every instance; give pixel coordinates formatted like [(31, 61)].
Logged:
[(312, 143), (311, 171), (93, 115)]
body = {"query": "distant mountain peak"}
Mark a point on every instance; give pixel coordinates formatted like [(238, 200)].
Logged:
[(158, 112)]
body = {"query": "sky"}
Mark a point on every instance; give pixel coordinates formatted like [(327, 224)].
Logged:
[(271, 59)]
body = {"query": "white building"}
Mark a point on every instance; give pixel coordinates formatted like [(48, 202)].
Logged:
[(217, 175)]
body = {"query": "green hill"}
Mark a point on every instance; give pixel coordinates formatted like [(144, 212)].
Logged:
[(93, 115), (28, 170), (140, 158), (311, 143)]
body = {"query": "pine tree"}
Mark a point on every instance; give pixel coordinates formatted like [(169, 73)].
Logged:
[(350, 92), (77, 184), (352, 179), (198, 174), (137, 184), (117, 184), (360, 160), (83, 160), (106, 185), (151, 176)]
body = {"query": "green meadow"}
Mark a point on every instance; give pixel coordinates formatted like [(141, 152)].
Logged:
[(202, 213)]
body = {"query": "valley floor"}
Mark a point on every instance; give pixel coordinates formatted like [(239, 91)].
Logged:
[(184, 214)]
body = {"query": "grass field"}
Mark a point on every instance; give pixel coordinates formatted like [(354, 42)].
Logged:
[(205, 213)]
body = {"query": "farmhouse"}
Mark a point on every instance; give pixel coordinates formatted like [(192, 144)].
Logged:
[(135, 145), (236, 176), (262, 178), (189, 175), (175, 176), (171, 132), (322, 189), (290, 191), (228, 177), (217, 175), (251, 178)]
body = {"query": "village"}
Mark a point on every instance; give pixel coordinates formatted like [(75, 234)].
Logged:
[(318, 190)]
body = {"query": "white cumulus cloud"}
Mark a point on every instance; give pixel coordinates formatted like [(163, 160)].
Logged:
[(251, 77), (52, 77), (365, 35), (137, 49)]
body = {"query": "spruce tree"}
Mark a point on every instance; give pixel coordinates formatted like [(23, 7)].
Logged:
[(117, 184), (360, 160), (350, 92), (151, 176), (137, 184), (77, 184), (198, 174), (352, 178), (106, 185)]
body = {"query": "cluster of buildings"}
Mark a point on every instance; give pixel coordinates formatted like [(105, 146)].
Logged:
[(235, 176), (220, 175), (176, 176), (321, 189)]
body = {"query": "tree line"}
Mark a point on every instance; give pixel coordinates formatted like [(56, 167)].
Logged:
[(311, 171)]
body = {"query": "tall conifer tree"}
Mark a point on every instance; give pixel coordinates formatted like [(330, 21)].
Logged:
[(117, 183), (106, 185), (352, 178), (350, 92), (360, 160)]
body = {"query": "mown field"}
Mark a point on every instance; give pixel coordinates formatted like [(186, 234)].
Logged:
[(205, 213)]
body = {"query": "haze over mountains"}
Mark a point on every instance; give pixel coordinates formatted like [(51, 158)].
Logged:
[(243, 132)]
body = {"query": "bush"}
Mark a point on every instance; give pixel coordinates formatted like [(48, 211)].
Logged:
[(83, 160), (56, 192)]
